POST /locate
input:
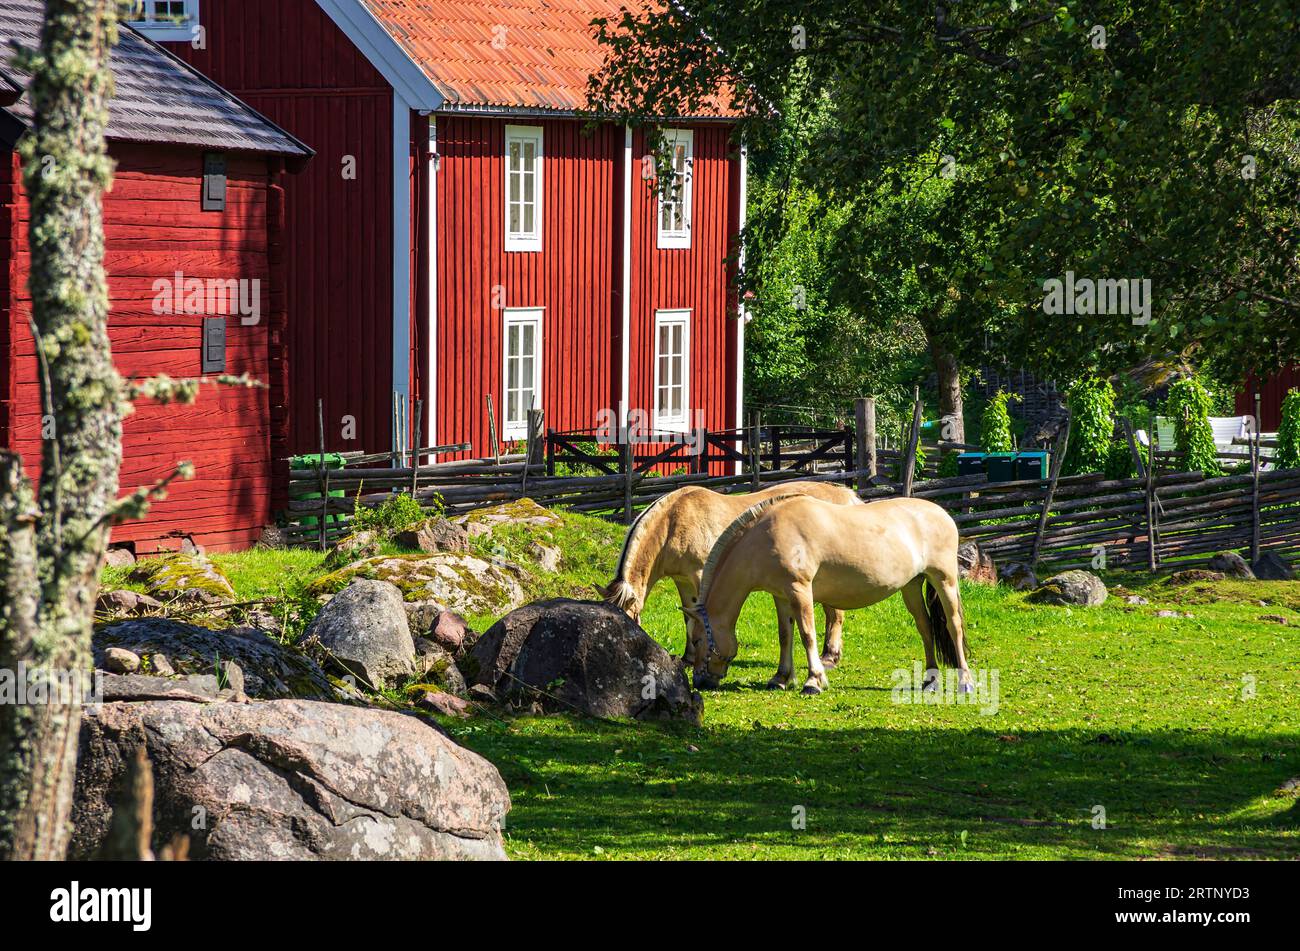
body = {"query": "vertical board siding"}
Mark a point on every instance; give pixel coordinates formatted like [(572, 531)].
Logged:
[(153, 227), (695, 278), (1272, 392), (572, 277), (288, 60)]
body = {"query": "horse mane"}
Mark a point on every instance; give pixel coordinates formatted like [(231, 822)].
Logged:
[(621, 593), (730, 535)]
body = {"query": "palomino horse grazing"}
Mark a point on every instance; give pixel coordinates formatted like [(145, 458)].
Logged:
[(801, 550), (673, 537)]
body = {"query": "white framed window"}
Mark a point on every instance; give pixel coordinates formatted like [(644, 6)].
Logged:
[(523, 162), (672, 370), (675, 200), (522, 370), (166, 20)]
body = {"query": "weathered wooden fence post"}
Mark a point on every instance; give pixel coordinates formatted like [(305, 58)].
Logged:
[(492, 429), (533, 450), (1151, 504), (626, 463), (913, 439), (321, 471), (864, 419), (1254, 495), (755, 448), (1058, 459), (776, 447), (415, 455)]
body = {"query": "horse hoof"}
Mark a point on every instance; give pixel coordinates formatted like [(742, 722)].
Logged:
[(966, 687), (705, 682), (930, 686), (775, 684), (811, 690), (830, 661)]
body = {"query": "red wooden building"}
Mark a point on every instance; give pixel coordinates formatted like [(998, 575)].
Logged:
[(461, 234), (1272, 391), (196, 206)]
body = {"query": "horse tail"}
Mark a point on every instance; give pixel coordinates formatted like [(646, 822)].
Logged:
[(940, 629)]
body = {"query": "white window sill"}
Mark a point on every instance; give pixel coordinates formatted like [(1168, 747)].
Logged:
[(674, 241), (673, 426), (166, 32), (524, 244), (511, 435)]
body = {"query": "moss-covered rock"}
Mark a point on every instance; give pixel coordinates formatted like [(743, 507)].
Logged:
[(521, 512), (464, 583), (354, 547), (185, 577)]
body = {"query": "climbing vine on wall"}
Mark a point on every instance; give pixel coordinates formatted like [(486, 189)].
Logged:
[(995, 423), (1288, 433), (1091, 400), (1189, 407)]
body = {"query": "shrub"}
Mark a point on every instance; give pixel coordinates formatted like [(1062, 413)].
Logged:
[(1189, 407), (395, 514), (1288, 433), (1092, 425), (1119, 460), (995, 424)]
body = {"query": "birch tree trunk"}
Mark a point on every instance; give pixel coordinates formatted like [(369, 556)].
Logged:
[(52, 547)]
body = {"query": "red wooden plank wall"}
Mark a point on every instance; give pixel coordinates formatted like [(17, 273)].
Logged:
[(154, 227), (1272, 392), (572, 277), (695, 278), (286, 59)]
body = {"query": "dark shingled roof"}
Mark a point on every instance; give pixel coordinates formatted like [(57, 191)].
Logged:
[(157, 97)]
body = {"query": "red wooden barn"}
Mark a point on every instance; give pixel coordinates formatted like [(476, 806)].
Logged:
[(1272, 391), (461, 234), (196, 204)]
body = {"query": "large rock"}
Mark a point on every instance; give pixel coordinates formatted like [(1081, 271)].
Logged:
[(434, 535), (585, 656), (463, 583), (291, 779), (1018, 576), (364, 629), (522, 512), (190, 578), (975, 565), (271, 670), (1076, 588), (1232, 565), (1270, 566)]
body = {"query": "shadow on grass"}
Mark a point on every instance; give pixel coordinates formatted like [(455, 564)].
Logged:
[(880, 792)]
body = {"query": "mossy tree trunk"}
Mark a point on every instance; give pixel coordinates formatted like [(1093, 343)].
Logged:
[(52, 546)]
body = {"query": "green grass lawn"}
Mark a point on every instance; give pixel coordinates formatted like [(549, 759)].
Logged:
[(1147, 718), (1151, 719)]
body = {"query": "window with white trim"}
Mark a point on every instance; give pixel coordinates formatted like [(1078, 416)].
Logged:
[(166, 20), (672, 370), (522, 372), (523, 163), (675, 199)]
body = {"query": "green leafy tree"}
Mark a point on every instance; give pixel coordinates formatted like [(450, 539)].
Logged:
[(1152, 141)]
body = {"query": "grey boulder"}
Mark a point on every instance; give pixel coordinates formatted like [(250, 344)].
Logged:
[(1074, 588), (1018, 576), (364, 630), (582, 656), (291, 780), (1270, 566), (1232, 565)]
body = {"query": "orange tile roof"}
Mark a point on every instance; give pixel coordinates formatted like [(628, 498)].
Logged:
[(545, 49)]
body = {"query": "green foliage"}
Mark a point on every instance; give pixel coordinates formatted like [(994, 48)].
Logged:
[(1189, 406), (395, 514), (1119, 460), (1288, 433), (995, 423), (1091, 400)]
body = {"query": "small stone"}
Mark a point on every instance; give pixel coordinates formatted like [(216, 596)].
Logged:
[(444, 703), (161, 665), (482, 693), (231, 676), (119, 558), (548, 557), (1193, 575), (1274, 618), (434, 535), (1136, 599), (1173, 614), (451, 631), (118, 660), (1018, 576)]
